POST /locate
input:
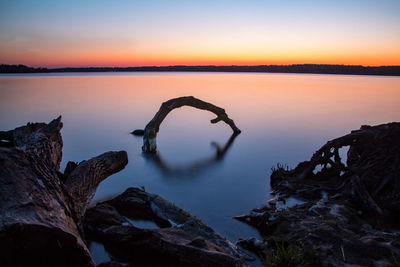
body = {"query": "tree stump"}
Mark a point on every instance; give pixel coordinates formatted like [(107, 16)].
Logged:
[(40, 214)]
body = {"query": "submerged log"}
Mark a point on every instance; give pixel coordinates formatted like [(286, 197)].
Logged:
[(41, 216), (152, 128)]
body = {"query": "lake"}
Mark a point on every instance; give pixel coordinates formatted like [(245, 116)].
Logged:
[(284, 118)]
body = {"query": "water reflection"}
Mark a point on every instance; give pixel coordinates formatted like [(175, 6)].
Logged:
[(194, 168), (284, 117)]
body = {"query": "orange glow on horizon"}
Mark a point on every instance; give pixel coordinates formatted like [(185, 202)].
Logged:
[(129, 61), (131, 33), (222, 52), (107, 57)]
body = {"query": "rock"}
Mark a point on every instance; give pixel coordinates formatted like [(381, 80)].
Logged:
[(169, 247), (182, 239), (138, 132), (41, 222), (252, 244), (113, 264)]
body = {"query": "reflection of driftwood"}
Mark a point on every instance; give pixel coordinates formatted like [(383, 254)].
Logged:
[(40, 215), (194, 167), (151, 130)]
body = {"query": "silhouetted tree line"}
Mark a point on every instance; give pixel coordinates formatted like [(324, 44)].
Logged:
[(299, 68), (20, 69)]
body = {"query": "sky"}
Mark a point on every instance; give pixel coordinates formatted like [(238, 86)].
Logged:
[(208, 32)]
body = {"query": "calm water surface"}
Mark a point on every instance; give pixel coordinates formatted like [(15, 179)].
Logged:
[(284, 118)]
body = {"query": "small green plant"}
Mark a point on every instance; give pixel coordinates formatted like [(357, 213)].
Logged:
[(290, 256), (396, 263), (281, 168)]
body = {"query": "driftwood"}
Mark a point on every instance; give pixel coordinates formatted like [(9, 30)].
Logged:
[(152, 128), (328, 154), (40, 214), (44, 219), (350, 214), (373, 165)]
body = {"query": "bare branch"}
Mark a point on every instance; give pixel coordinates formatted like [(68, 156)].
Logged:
[(152, 128)]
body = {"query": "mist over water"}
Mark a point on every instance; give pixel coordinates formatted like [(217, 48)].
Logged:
[(284, 118)]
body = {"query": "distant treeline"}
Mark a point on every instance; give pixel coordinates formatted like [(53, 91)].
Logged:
[(300, 68), (20, 69)]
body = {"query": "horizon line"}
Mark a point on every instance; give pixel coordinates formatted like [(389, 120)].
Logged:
[(228, 65), (293, 68), (204, 65)]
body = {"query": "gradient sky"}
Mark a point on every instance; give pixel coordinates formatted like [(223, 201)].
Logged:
[(135, 33)]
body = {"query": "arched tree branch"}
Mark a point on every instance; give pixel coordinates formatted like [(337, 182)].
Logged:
[(152, 128)]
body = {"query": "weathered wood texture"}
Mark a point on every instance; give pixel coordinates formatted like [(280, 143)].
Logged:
[(350, 214), (40, 216), (373, 165), (152, 128), (82, 182)]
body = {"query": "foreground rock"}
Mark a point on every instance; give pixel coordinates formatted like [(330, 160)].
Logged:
[(40, 208), (181, 240), (349, 214), (42, 211)]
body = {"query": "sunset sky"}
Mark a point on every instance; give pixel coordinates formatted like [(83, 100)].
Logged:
[(139, 33)]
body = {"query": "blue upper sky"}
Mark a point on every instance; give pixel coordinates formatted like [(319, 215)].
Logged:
[(55, 33)]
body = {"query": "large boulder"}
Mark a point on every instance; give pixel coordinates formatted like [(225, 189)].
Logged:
[(181, 240)]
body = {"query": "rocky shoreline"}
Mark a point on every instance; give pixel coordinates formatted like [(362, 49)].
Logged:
[(347, 214), (46, 219), (181, 240)]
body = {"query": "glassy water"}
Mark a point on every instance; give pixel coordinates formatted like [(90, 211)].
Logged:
[(284, 118)]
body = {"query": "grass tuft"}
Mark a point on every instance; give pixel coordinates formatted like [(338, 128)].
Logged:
[(290, 256), (396, 263), (281, 168)]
